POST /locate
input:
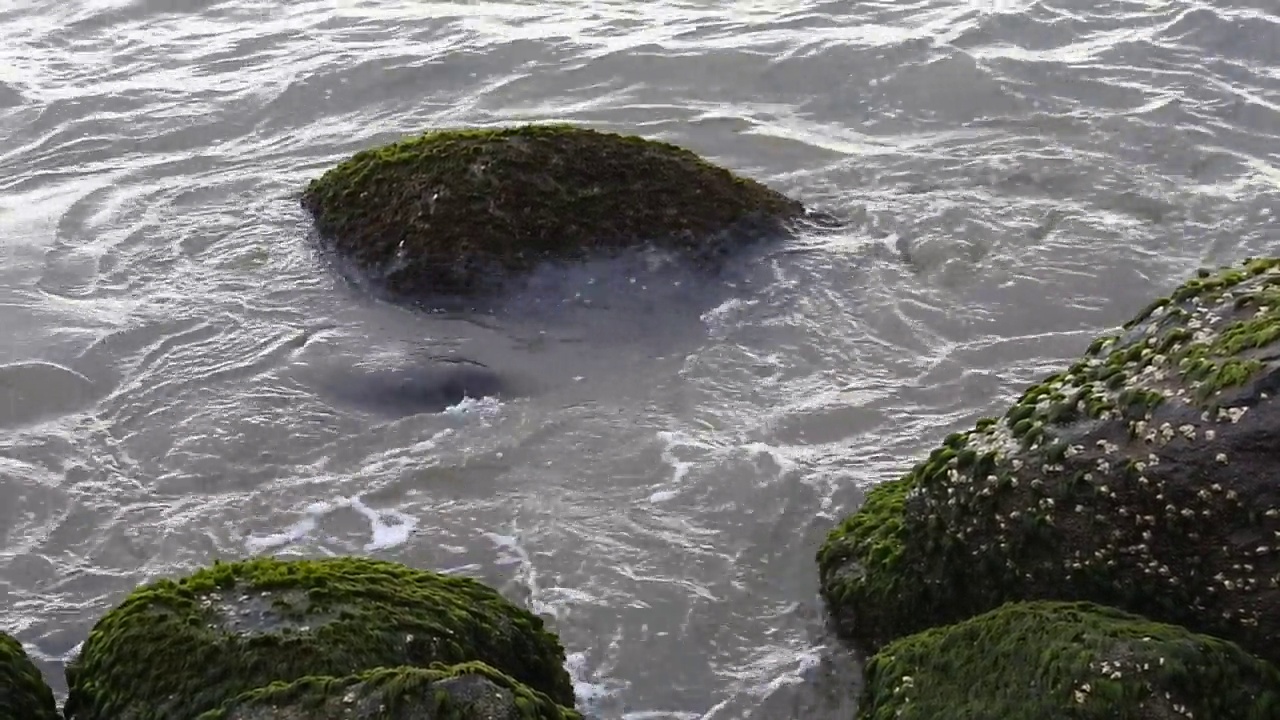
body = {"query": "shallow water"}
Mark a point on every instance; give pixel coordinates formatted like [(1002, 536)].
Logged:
[(1018, 177)]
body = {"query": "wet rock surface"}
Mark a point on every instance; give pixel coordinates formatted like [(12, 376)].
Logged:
[(1051, 661), (1146, 476), (428, 388), (471, 691), (459, 212), (179, 648), (24, 695)]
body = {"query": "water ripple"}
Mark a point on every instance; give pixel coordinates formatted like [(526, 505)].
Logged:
[(1016, 175)]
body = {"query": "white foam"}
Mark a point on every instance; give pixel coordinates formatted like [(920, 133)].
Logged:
[(509, 543), (467, 569), (294, 533), (590, 692), (594, 688), (388, 528), (485, 407), (401, 457), (662, 496), (779, 455), (720, 319), (526, 574), (679, 468), (385, 535)]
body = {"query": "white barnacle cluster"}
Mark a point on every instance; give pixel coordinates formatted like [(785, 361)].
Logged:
[(1180, 336), (1231, 414), (1126, 513), (1111, 669), (946, 495), (1130, 669), (997, 438), (1200, 325), (904, 684), (1152, 369), (1203, 322), (914, 493), (1126, 528)]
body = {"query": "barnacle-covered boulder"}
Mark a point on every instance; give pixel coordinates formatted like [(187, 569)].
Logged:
[(24, 695), (175, 649), (470, 691), (459, 211), (1146, 476), (1067, 661)]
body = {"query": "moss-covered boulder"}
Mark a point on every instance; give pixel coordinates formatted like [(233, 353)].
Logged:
[(1146, 476), (1067, 661), (460, 211), (470, 691), (175, 649), (24, 695)]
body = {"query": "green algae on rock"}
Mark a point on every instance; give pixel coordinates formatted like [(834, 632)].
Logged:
[(1145, 476), (458, 211), (24, 695), (1067, 661), (470, 691), (178, 648)]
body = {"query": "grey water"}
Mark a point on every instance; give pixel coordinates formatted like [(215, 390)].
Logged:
[(1017, 176)]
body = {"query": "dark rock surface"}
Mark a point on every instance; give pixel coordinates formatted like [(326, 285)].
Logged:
[(24, 695), (1067, 661), (458, 212), (425, 388), (175, 649), (1146, 476), (472, 691)]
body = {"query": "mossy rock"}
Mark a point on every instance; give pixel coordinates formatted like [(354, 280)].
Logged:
[(177, 649), (458, 212), (470, 691), (1145, 477), (1067, 661), (24, 695)]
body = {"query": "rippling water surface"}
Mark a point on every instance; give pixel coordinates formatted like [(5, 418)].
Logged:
[(1018, 177)]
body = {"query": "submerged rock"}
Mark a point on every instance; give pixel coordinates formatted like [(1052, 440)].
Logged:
[(458, 211), (1067, 661), (1146, 476), (24, 695), (177, 649), (471, 691), (428, 388)]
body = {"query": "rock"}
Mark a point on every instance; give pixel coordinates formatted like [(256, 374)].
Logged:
[(426, 388), (458, 211), (24, 695), (177, 649), (471, 691), (1146, 476), (1067, 661)]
